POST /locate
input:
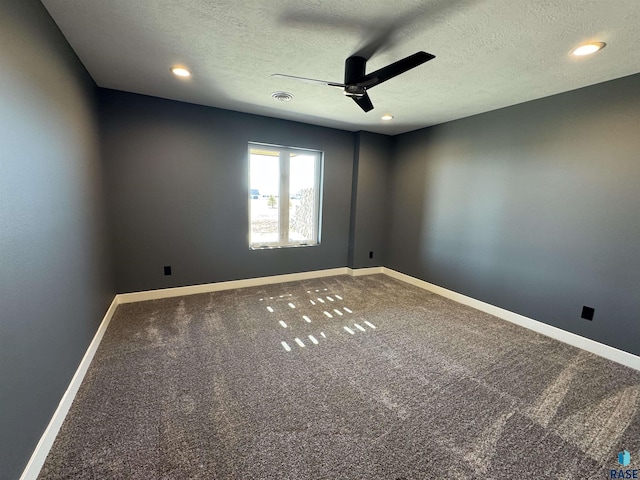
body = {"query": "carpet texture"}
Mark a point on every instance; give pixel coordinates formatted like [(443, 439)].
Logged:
[(341, 378)]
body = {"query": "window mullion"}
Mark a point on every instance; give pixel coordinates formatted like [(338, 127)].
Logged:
[(318, 195), (283, 204)]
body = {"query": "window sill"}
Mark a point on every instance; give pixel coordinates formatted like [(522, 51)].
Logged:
[(274, 247)]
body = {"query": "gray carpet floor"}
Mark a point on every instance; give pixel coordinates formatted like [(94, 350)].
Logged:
[(340, 378)]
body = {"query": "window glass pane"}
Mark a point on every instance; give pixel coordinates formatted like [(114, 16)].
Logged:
[(264, 188), (303, 212), (284, 196)]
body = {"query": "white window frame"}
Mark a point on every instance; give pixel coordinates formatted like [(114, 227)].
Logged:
[(284, 196)]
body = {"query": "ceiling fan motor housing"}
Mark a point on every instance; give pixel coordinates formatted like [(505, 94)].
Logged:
[(354, 69)]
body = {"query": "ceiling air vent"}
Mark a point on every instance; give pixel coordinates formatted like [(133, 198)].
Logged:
[(282, 96)]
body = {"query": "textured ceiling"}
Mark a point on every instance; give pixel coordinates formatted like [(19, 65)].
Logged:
[(489, 53)]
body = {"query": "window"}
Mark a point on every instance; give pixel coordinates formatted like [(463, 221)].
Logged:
[(285, 186)]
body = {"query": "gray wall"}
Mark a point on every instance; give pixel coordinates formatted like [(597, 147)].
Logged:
[(370, 200), (54, 282), (178, 192), (534, 208)]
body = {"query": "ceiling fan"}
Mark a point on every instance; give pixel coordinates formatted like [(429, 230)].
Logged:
[(356, 82)]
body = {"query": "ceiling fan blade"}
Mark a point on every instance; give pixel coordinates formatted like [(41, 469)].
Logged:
[(393, 70), (364, 102), (309, 80)]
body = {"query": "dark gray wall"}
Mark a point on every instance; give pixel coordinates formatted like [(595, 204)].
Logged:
[(54, 282), (534, 208), (178, 192), (370, 200)]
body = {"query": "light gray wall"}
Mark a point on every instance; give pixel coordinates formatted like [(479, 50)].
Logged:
[(54, 282), (178, 192), (370, 200), (534, 208)]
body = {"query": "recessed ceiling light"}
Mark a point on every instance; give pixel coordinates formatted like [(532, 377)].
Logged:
[(588, 49), (180, 72), (387, 117)]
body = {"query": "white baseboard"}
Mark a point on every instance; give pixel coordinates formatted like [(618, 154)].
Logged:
[(41, 451), (217, 287), (39, 455), (597, 348), (358, 272)]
